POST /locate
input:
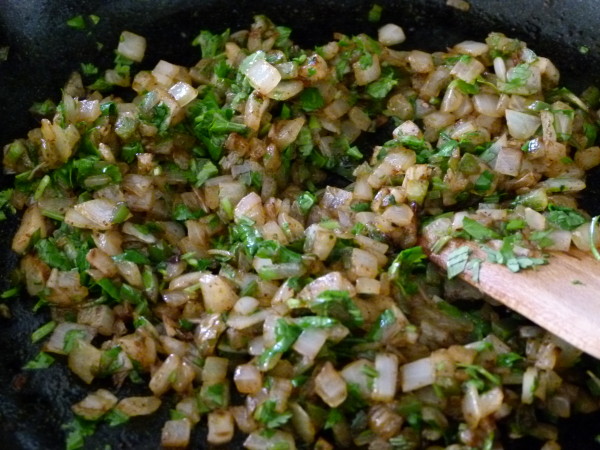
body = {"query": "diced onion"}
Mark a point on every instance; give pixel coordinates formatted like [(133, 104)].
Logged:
[(183, 93), (95, 405), (138, 406), (391, 34), (330, 386), (521, 125), (132, 46), (220, 427), (384, 384), (263, 76), (417, 374), (176, 433)]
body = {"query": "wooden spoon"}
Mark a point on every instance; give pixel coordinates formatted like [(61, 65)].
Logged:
[(562, 296)]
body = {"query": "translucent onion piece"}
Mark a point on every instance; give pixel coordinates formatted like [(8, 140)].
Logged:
[(263, 76), (417, 374), (32, 222), (384, 384), (391, 34), (330, 386), (138, 406), (176, 433), (183, 93), (258, 440), (95, 405), (220, 427), (132, 46), (521, 125)]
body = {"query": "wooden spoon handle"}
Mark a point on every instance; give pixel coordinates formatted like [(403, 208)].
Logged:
[(562, 296)]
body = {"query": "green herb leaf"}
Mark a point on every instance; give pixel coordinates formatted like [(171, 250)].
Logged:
[(44, 109), (43, 331), (311, 99), (306, 201), (109, 361), (464, 87), (285, 336), (41, 361), (565, 218), (71, 339), (78, 429), (375, 13), (477, 231), (77, 22), (216, 394), (517, 78), (268, 415), (339, 305), (385, 320), (484, 182), (211, 44), (49, 253), (334, 417), (380, 88), (115, 418), (476, 372), (404, 265), (88, 69), (129, 151), (457, 261), (508, 359), (131, 255)]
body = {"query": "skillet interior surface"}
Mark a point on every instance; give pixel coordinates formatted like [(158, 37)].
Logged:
[(43, 50)]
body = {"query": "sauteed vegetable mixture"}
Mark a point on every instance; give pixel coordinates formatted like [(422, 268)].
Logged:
[(225, 234)]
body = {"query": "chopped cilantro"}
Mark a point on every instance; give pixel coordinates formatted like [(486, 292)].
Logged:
[(457, 261), (285, 336), (375, 13), (10, 293), (44, 109), (132, 255), (361, 206), (43, 331), (181, 213), (508, 359), (464, 87), (5, 205), (115, 418), (407, 262), (71, 339), (334, 416), (380, 88), (339, 305), (130, 150), (477, 231), (541, 239), (565, 218), (41, 361), (268, 415), (306, 201), (515, 224), (476, 372), (77, 22), (311, 99), (484, 182), (216, 394), (78, 429), (89, 69), (517, 77), (211, 44)]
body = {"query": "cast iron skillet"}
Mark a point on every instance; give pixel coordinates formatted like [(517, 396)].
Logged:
[(44, 50)]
